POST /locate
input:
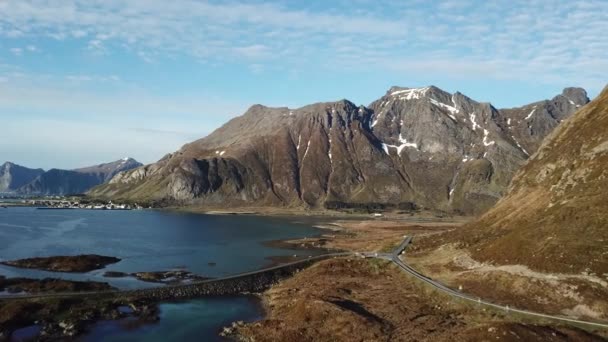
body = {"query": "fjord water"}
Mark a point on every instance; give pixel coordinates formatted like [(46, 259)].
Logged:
[(195, 320), (147, 240)]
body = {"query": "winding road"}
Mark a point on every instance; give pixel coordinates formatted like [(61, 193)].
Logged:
[(439, 286)]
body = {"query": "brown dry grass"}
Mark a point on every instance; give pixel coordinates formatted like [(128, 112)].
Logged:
[(367, 300), (375, 235), (515, 285)]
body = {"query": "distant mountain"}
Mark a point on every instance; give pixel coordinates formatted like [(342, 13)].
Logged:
[(13, 176), (538, 119), (109, 170), (78, 181), (413, 146), (555, 215)]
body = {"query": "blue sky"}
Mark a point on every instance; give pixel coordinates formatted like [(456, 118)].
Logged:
[(87, 81)]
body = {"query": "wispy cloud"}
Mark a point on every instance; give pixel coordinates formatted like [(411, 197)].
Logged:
[(538, 39), (84, 78), (128, 106), (16, 51)]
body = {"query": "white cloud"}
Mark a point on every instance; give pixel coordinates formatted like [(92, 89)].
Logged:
[(254, 51), (125, 105), (537, 40), (96, 46), (78, 33), (16, 51), (81, 78)]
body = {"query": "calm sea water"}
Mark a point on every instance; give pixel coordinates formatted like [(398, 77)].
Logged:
[(207, 245), (195, 320)]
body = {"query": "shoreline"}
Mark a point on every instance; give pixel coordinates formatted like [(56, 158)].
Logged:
[(332, 225), (422, 214), (85, 309), (100, 309)]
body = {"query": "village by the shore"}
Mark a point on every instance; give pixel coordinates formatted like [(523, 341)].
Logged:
[(71, 204), (80, 205)]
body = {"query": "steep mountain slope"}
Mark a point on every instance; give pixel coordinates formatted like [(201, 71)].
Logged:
[(555, 216), (13, 176), (422, 147), (535, 120), (64, 182)]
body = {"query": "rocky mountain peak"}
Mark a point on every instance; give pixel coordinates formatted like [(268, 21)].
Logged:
[(405, 93), (408, 92), (128, 161), (457, 107), (576, 96)]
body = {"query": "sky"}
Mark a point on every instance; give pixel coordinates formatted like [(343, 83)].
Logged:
[(89, 81)]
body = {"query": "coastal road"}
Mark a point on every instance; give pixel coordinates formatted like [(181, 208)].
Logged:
[(402, 246), (454, 293)]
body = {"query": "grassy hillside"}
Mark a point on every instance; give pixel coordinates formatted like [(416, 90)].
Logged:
[(555, 216)]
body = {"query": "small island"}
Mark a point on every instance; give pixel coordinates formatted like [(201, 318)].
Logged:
[(48, 285), (70, 264), (172, 277)]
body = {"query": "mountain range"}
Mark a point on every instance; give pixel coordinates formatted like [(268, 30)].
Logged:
[(23, 181), (413, 147)]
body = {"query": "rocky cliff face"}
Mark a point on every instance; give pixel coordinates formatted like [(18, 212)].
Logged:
[(422, 147), (528, 125), (13, 176), (65, 182), (555, 216)]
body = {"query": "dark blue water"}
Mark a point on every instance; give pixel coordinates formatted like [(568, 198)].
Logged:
[(153, 241), (196, 320), (26, 334), (145, 240)]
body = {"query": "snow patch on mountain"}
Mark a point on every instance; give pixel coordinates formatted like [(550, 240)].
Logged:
[(411, 94), (401, 147), (520, 147), (531, 113), (473, 121), (485, 138), (306, 152), (452, 110)]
